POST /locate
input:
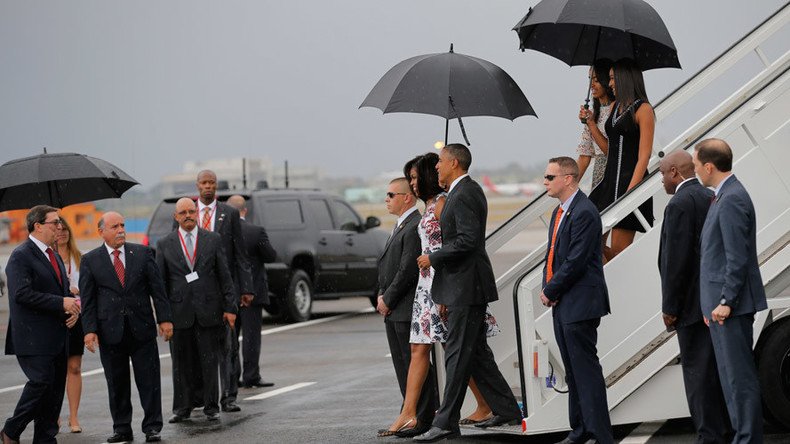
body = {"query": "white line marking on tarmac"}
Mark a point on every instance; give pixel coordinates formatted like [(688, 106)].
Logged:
[(263, 333), (642, 433), (388, 355), (279, 391)]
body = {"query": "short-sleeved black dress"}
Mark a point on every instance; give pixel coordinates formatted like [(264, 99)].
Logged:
[(623, 134)]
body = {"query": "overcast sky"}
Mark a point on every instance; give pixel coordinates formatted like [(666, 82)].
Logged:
[(147, 85)]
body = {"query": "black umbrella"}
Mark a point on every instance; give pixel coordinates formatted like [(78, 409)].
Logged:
[(59, 180), (579, 32), (449, 85)]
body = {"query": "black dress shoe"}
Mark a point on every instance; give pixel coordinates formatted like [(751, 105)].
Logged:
[(436, 434), (152, 437), (497, 420), (121, 437), (570, 441), (177, 418), (212, 416), (230, 407), (260, 383)]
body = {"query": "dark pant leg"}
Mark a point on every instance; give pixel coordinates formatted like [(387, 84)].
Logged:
[(703, 389), (251, 321), (41, 397), (115, 360), (400, 352), (145, 362), (577, 434), (464, 324), (732, 344), (208, 339), (184, 354), (229, 369), (492, 385), (581, 339)]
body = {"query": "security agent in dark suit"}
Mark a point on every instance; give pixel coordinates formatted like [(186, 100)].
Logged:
[(225, 221), (731, 288), (200, 290), (40, 313), (250, 319), (397, 284), (463, 285), (574, 285), (678, 264), (118, 282)]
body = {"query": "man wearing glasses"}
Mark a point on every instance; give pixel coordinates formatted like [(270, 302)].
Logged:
[(574, 285), (41, 310)]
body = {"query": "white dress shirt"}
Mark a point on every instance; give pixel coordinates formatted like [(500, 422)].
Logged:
[(121, 256), (455, 182), (212, 210)]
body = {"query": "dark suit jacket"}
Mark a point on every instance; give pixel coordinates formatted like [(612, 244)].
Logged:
[(463, 273), (205, 299), (398, 271), (227, 223), (105, 302), (678, 254), (35, 300), (728, 259), (259, 251), (578, 283)]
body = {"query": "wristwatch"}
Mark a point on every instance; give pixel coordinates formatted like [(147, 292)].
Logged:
[(723, 301)]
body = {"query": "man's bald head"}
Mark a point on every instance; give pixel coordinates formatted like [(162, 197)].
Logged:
[(186, 213), (675, 167), (207, 186), (716, 152), (238, 202)]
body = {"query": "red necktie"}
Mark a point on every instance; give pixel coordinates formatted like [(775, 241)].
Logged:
[(54, 263), (119, 270), (549, 271), (207, 218)]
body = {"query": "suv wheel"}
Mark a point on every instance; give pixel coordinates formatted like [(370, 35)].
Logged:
[(299, 300)]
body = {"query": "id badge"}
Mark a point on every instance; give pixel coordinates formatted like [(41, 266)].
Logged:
[(192, 277)]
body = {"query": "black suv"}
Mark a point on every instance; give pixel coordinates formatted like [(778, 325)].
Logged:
[(324, 249)]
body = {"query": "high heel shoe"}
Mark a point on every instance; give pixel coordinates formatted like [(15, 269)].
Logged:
[(74, 428)]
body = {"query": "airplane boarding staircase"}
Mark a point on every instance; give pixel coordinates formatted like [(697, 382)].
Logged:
[(636, 353)]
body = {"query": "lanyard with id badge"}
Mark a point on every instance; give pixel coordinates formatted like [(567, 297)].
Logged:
[(193, 276)]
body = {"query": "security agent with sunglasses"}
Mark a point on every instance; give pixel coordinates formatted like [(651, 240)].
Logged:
[(41, 311), (574, 286)]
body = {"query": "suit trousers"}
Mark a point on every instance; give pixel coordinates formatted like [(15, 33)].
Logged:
[(249, 322), (188, 346), (41, 397), (145, 363), (732, 344), (701, 379), (588, 411), (398, 338), (466, 343), (229, 368)]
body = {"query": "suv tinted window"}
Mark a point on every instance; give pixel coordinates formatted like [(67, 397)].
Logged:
[(283, 213), (347, 220), (321, 214)]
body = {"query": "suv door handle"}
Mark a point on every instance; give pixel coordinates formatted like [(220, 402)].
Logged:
[(323, 241), (350, 241)]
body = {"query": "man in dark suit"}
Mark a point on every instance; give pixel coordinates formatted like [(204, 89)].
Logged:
[(574, 285), (250, 319), (118, 282), (200, 289), (38, 297), (678, 263), (397, 284), (731, 288), (463, 284), (225, 221)]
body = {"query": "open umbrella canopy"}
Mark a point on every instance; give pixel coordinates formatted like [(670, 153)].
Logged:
[(59, 180), (579, 32)]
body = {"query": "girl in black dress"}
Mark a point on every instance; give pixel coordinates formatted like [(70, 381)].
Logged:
[(630, 130)]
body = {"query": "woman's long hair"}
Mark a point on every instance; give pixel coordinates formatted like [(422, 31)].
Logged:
[(601, 69), (427, 177), (73, 250), (629, 83)]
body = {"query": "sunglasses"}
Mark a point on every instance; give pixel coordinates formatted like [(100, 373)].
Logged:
[(392, 195), (551, 177), (55, 222)]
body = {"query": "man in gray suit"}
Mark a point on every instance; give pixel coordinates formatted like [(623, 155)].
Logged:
[(463, 285), (397, 284), (731, 289)]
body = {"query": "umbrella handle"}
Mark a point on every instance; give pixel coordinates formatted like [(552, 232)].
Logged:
[(460, 123)]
